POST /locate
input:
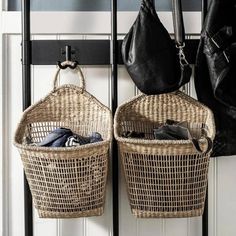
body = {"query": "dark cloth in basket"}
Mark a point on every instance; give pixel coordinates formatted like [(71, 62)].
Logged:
[(62, 137), (77, 140), (57, 138), (172, 130), (133, 134)]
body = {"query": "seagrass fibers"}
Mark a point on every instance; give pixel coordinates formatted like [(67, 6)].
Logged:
[(66, 182), (164, 178)]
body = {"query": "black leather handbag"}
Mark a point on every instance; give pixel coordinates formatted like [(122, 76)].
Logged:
[(150, 55)]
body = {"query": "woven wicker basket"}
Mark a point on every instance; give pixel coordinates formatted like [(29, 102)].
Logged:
[(164, 178), (66, 182)]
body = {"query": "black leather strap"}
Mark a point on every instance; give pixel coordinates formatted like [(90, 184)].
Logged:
[(178, 22), (198, 148)]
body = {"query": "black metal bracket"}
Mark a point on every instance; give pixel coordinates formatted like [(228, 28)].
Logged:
[(68, 52), (89, 52)]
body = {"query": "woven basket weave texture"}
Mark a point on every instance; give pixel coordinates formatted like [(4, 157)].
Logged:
[(164, 178), (66, 182)]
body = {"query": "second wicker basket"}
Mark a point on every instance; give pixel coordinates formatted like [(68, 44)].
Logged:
[(164, 178)]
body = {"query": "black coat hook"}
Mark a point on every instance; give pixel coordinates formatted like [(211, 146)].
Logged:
[(64, 65), (71, 64)]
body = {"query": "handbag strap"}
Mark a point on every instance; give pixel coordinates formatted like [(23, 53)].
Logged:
[(178, 22), (149, 5), (179, 30)]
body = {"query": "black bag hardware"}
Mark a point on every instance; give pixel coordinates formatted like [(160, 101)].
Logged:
[(150, 55), (186, 70)]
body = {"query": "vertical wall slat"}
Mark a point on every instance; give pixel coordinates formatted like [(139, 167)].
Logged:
[(4, 128), (226, 196), (12, 112), (41, 84), (100, 76), (127, 222)]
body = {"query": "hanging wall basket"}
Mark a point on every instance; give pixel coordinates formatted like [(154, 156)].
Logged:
[(164, 178), (66, 182)]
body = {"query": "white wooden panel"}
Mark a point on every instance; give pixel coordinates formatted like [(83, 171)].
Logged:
[(128, 223), (194, 227), (59, 22), (126, 88), (176, 227), (194, 224), (226, 197), (14, 178), (101, 76), (192, 21), (42, 81), (98, 83), (41, 85), (1, 130), (90, 22), (212, 195), (150, 227), (46, 227), (70, 227), (4, 136)]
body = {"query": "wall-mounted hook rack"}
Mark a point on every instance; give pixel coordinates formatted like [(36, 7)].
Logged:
[(91, 52)]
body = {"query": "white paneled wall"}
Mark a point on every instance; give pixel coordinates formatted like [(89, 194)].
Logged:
[(13, 178), (222, 175)]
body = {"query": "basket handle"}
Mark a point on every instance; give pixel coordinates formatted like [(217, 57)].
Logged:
[(78, 70), (198, 148)]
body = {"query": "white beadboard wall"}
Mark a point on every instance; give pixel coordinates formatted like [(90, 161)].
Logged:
[(222, 175)]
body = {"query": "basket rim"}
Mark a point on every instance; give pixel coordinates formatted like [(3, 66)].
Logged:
[(61, 149), (142, 96), (78, 90), (156, 141)]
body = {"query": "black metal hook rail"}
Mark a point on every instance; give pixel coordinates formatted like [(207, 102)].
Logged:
[(26, 93), (114, 96), (88, 52)]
